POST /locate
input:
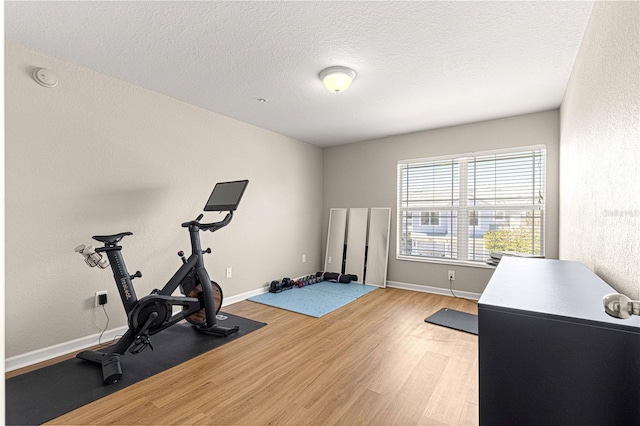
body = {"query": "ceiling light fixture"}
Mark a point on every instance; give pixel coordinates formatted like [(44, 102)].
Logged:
[(337, 79)]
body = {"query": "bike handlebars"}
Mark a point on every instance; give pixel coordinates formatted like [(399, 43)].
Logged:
[(214, 226)]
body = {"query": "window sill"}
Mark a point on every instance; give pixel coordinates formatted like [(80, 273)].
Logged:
[(447, 262)]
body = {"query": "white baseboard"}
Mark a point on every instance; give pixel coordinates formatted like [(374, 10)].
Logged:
[(44, 354), (76, 345), (434, 290), (242, 296)]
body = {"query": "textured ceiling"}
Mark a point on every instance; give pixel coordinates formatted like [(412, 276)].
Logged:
[(419, 65)]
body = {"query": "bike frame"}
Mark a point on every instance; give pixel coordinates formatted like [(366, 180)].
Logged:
[(195, 261), (154, 313)]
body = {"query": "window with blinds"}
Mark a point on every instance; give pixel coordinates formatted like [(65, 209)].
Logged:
[(465, 207)]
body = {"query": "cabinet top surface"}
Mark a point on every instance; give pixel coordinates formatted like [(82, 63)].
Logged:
[(551, 287)]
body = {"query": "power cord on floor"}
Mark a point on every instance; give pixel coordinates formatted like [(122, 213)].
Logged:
[(105, 326), (457, 297), (112, 341)]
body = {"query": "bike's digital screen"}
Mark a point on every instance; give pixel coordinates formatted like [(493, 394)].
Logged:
[(226, 196)]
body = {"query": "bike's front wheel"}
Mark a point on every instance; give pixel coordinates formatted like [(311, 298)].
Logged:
[(200, 317)]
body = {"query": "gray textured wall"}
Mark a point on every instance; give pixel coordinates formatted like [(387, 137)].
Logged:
[(365, 175), (600, 149), (95, 155)]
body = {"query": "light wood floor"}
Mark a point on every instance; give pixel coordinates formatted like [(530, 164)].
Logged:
[(372, 362)]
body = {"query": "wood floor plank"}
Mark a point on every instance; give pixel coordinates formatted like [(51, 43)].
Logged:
[(459, 375), (407, 405), (374, 362)]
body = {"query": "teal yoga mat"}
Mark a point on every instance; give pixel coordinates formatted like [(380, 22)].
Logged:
[(315, 300)]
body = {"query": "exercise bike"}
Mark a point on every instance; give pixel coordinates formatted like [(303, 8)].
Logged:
[(201, 300)]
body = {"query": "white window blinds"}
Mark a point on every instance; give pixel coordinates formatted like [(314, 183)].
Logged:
[(475, 204)]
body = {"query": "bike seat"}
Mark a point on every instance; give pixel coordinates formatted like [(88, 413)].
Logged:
[(111, 239)]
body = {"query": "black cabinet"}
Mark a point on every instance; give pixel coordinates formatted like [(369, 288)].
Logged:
[(549, 354)]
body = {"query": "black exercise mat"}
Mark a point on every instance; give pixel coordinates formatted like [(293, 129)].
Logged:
[(457, 320), (41, 395)]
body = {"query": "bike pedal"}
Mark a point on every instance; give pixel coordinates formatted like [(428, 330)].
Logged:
[(140, 344)]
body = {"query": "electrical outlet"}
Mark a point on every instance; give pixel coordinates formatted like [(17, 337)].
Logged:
[(229, 273), (304, 258), (100, 296), (451, 276)]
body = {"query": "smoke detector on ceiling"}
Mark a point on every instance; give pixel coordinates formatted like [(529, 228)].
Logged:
[(45, 77)]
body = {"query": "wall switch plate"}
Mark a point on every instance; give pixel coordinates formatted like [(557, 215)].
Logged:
[(229, 273)]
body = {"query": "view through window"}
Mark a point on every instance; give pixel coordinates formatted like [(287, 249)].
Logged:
[(465, 207)]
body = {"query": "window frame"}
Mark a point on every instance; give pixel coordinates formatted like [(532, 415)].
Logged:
[(462, 207)]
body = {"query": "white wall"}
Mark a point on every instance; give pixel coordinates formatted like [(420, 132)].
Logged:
[(600, 149), (364, 175), (96, 155)]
